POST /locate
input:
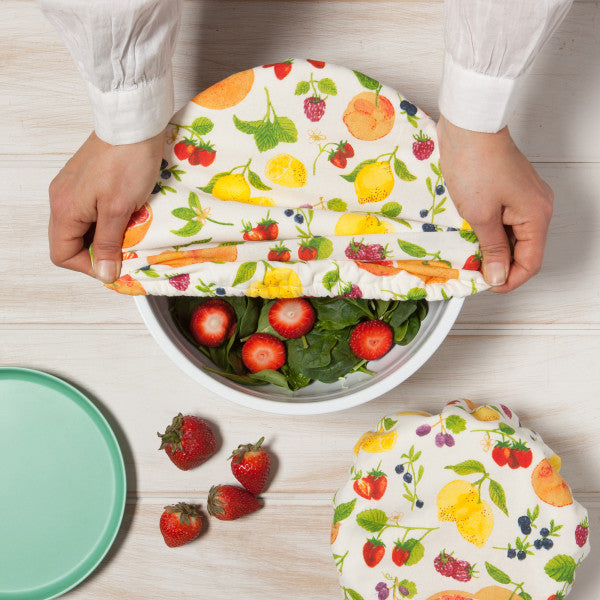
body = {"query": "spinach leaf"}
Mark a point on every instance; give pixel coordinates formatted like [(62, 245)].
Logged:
[(294, 378)]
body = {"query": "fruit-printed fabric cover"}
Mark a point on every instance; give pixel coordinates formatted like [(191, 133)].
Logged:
[(300, 179), (464, 505)]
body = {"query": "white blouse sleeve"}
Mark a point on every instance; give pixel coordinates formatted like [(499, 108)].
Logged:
[(123, 49), (490, 45)]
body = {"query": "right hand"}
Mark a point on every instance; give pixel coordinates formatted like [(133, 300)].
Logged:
[(100, 184)]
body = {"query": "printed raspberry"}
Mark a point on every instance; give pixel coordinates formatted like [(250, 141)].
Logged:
[(314, 108), (375, 252), (180, 282), (444, 564), (582, 532), (354, 250), (352, 291), (463, 571), (422, 146)]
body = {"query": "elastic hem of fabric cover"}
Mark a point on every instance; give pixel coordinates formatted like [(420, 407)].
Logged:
[(133, 115), (476, 101)]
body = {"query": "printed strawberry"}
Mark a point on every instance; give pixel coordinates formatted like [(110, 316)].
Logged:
[(473, 263), (188, 441), (373, 552), (422, 146), (444, 564), (179, 282), (513, 461), (269, 228), (338, 159), (279, 253), (522, 454), (462, 570), (180, 524), (314, 108), (213, 323), (317, 64), (206, 155), (558, 596), (194, 157), (346, 149), (501, 453), (184, 149), (263, 351), (292, 317), (128, 255), (363, 486), (250, 465), (582, 532), (400, 554), (379, 483), (281, 69), (253, 234), (306, 251), (370, 340), (229, 502)]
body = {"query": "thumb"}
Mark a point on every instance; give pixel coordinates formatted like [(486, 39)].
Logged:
[(108, 240), (495, 251)]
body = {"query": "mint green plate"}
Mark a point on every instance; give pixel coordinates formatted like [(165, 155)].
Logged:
[(62, 486)]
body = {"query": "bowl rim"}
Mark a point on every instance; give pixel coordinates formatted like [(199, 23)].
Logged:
[(350, 400)]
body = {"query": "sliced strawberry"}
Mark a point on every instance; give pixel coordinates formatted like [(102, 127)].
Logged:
[(370, 340), (364, 487), (263, 351), (213, 323), (292, 317), (180, 524), (317, 64)]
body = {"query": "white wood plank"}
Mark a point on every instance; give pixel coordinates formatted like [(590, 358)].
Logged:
[(45, 107)]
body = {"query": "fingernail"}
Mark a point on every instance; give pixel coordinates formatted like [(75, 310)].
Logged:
[(495, 273), (105, 270)]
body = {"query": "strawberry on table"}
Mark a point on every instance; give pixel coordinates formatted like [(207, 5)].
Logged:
[(188, 441), (370, 340), (213, 322), (263, 351), (292, 317), (180, 524), (229, 502), (250, 465)]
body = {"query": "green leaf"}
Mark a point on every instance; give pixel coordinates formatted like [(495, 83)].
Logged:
[(412, 328), (468, 235), (391, 209), (467, 467), (316, 356), (330, 279), (420, 473), (327, 86), (245, 272), (417, 551), (296, 380), (337, 313), (411, 588), (343, 511), (269, 135), (270, 376), (525, 596), (249, 127), (187, 214), (401, 313), (412, 249), (504, 428), (561, 568), (208, 188), (168, 188), (402, 171), (302, 88), (189, 229), (323, 245), (429, 184), (255, 181), (248, 319), (352, 176), (193, 201), (388, 423), (455, 424), (416, 294), (498, 496), (372, 520), (337, 204), (496, 574), (353, 595), (435, 169), (367, 82), (202, 125)]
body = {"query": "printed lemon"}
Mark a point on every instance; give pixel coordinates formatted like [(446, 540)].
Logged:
[(376, 442), (374, 182), (359, 224), (278, 283), (232, 187), (478, 526), (261, 201), (486, 413), (286, 170), (455, 500), (556, 462), (465, 225)]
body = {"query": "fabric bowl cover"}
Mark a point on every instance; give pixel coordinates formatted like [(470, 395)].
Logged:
[(300, 178), (464, 505)]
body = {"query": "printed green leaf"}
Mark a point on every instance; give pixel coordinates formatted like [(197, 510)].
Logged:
[(417, 551), (455, 424), (352, 176), (353, 595), (193, 201), (504, 428), (343, 511), (391, 209), (388, 423), (327, 86), (255, 181), (323, 245), (269, 135), (429, 184), (168, 188), (435, 169), (208, 188), (249, 127), (468, 235), (420, 473), (525, 596), (372, 520), (187, 214), (467, 467), (330, 279), (416, 294), (561, 568), (496, 574), (410, 587), (302, 88), (498, 496), (412, 249), (402, 171), (202, 125), (244, 273), (337, 204), (367, 82), (189, 229)]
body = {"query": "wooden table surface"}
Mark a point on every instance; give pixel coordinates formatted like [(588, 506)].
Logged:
[(536, 350)]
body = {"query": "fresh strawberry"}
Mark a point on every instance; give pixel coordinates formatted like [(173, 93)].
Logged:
[(463, 571), (179, 282), (370, 340), (229, 502), (263, 351), (523, 455), (363, 486), (473, 263), (373, 552), (250, 465), (213, 323), (444, 564), (279, 253), (206, 155), (422, 146), (400, 554), (346, 149), (582, 532), (184, 149), (501, 453), (314, 108), (307, 252), (292, 317), (379, 484), (338, 159), (180, 524), (317, 64), (281, 70), (188, 441)]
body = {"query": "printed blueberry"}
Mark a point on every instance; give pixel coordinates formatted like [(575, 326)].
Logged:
[(288, 212), (538, 544), (420, 503), (511, 553), (521, 555), (407, 477), (524, 520), (165, 174), (299, 219), (399, 469), (440, 189), (423, 213), (544, 532), (410, 108), (428, 227), (450, 228), (525, 529), (220, 292), (156, 189), (547, 543), (163, 164)]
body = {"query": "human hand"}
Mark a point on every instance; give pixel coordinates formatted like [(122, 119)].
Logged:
[(105, 185), (494, 187)]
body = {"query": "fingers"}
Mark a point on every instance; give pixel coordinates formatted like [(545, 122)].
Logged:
[(495, 250)]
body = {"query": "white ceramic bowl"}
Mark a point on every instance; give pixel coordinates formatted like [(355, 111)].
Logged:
[(396, 366)]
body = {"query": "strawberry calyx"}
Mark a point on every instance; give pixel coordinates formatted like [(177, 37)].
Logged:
[(502, 445), (421, 137), (280, 248), (172, 435), (238, 454), (585, 524), (520, 445), (186, 511), (375, 542), (267, 221)]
